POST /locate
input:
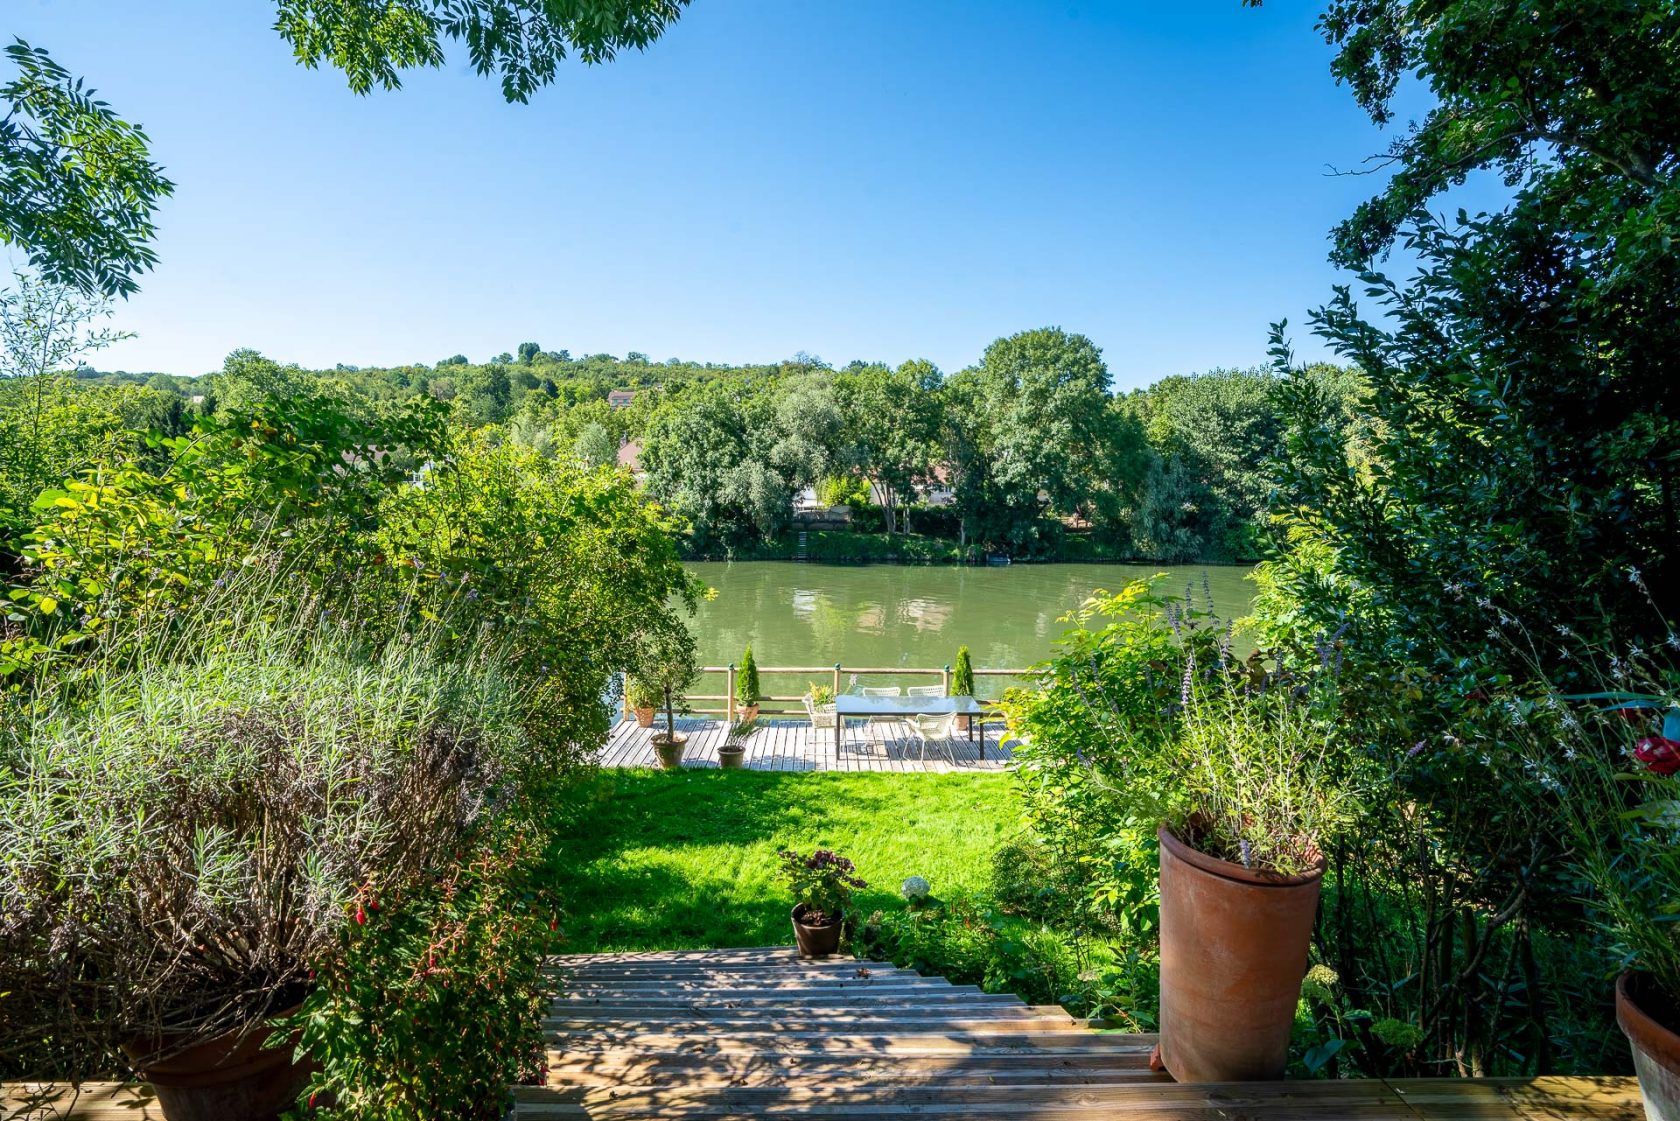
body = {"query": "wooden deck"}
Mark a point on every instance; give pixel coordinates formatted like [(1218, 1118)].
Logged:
[(762, 1033), (787, 744)]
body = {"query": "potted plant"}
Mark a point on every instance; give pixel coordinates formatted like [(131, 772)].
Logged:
[(665, 657), (822, 886), (644, 700), (186, 851), (746, 688), (962, 683), (820, 694), (734, 749), (1619, 795), (1241, 862)]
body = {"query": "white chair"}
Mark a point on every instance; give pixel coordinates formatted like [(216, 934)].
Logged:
[(925, 691), (882, 691), (822, 717), (934, 729)]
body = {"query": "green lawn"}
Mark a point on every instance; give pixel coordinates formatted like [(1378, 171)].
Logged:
[(658, 860)]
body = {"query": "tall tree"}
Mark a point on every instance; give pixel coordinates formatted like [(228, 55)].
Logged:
[(892, 430), (1524, 385)]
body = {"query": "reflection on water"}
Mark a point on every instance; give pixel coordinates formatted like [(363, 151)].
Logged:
[(890, 615)]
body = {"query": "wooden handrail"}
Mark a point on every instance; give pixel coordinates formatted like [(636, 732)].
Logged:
[(834, 672)]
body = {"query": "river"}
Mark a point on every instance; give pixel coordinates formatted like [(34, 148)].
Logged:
[(900, 615)]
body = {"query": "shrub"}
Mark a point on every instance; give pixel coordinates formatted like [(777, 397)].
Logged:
[(823, 882), (431, 1003), (962, 678), (746, 681), (182, 846)]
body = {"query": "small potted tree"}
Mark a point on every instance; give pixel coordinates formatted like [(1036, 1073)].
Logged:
[(666, 655), (962, 683), (822, 886), (746, 688)]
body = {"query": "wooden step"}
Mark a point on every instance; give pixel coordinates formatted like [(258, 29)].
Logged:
[(1323, 1100), (771, 1070), (611, 1041)]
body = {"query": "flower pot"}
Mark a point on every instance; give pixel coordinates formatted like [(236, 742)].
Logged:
[(964, 721), (815, 941), (669, 748), (746, 713), (644, 717), (1646, 1016), (731, 755), (1233, 953), (228, 1078)]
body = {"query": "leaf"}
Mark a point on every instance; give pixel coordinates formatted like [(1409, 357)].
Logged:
[(1314, 1059), (47, 604), (1671, 724)]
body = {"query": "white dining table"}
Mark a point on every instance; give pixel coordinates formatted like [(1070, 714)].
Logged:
[(857, 705)]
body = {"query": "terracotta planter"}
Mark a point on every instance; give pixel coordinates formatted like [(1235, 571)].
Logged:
[(644, 717), (1233, 952), (746, 712), (1644, 1014), (228, 1078), (815, 941), (669, 749), (731, 755)]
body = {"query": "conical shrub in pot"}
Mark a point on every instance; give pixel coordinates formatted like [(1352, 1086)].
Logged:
[(962, 682), (746, 688)]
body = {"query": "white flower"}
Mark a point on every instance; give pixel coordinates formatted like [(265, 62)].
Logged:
[(1563, 629), (1634, 575), (1483, 602), (1672, 641), (915, 889)]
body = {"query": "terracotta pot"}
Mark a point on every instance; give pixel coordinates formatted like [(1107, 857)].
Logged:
[(228, 1078), (1643, 1014), (815, 941), (1233, 952), (731, 755), (746, 713), (644, 717), (669, 749)]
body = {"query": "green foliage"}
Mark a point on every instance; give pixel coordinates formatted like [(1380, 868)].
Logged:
[(182, 845), (431, 1003), (969, 943), (520, 40), (822, 882), (78, 188), (962, 677), (746, 681)]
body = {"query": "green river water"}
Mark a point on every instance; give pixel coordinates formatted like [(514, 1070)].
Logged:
[(900, 615)]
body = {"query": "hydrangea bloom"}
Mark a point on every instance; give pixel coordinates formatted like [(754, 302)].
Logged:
[(915, 889)]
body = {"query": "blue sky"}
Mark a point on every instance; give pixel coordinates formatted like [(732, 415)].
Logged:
[(878, 180)]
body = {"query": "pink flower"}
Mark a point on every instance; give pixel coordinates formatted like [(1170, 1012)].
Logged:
[(1660, 754)]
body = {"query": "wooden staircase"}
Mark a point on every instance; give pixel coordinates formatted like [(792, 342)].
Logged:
[(763, 1033)]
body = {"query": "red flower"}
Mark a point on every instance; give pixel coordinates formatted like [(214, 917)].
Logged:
[(1660, 754), (361, 916)]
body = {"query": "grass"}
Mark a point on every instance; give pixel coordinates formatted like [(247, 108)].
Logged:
[(652, 860)]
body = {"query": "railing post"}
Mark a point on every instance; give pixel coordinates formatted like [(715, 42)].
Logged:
[(626, 692), (945, 679), (729, 693), (836, 679)]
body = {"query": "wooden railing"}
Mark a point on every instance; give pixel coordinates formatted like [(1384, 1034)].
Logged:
[(837, 677)]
